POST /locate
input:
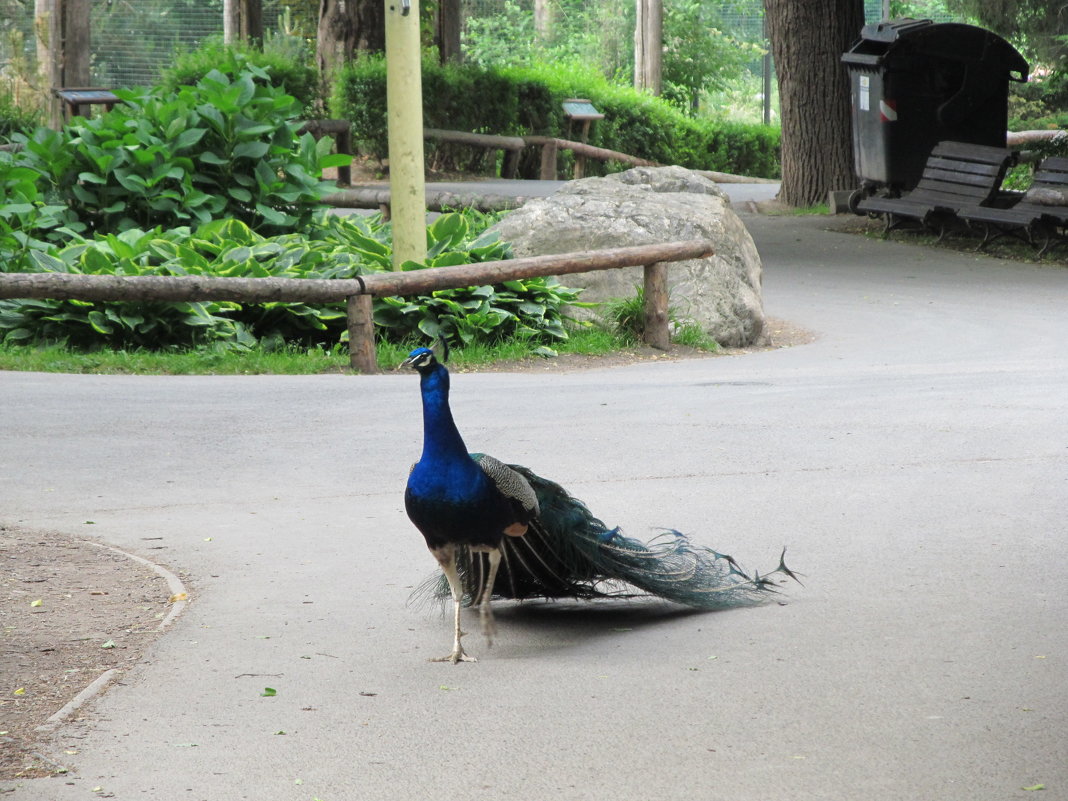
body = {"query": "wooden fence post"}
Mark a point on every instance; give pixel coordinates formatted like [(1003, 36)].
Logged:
[(361, 334), (548, 161), (657, 334)]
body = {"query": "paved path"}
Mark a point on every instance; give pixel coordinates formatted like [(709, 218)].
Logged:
[(914, 459)]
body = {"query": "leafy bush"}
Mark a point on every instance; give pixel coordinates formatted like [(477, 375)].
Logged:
[(527, 100), (25, 215), (220, 149), (332, 247), (289, 68), (529, 307), (213, 180), (14, 118)]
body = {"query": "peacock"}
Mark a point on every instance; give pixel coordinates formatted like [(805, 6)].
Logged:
[(500, 530)]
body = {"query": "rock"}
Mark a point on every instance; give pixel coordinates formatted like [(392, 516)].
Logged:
[(647, 205)]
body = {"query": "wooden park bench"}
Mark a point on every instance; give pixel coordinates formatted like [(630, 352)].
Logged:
[(1040, 217), (957, 174)]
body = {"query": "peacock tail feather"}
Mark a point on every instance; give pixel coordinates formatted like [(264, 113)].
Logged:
[(569, 553)]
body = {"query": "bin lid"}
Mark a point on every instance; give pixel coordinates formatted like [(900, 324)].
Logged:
[(891, 30), (899, 42)]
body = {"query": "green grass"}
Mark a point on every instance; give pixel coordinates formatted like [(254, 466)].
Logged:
[(800, 211), (589, 341), (691, 335), (627, 315), (53, 358)]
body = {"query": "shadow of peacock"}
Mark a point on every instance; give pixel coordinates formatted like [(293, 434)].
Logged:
[(500, 530)]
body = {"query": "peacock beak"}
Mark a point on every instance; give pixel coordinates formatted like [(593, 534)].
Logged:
[(418, 359), (412, 361)]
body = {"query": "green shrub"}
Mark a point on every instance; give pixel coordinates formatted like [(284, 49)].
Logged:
[(527, 100), (27, 217), (529, 308), (289, 68), (331, 247), (220, 149), (15, 119)]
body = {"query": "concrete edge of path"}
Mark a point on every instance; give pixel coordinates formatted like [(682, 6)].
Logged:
[(180, 599)]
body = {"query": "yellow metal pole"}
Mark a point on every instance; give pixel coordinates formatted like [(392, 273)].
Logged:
[(404, 106)]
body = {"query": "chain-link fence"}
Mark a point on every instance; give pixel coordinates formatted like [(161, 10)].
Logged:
[(133, 40)]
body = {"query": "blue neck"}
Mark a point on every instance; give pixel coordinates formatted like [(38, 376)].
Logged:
[(441, 440)]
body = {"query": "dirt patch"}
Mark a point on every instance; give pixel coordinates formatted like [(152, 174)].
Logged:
[(69, 611)]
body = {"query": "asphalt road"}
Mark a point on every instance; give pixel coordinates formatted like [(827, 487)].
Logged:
[(914, 459)]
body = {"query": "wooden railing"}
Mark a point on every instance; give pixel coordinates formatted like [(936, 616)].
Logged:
[(511, 146), (359, 292), (550, 149)]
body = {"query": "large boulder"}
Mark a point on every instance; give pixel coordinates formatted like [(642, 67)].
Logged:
[(648, 205)]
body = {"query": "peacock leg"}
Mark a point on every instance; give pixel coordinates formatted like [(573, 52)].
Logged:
[(489, 627), (447, 559)]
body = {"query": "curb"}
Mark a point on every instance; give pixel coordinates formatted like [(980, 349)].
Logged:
[(174, 584), (177, 589), (69, 708)]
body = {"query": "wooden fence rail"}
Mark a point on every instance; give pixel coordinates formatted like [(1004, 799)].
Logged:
[(550, 148), (358, 292)]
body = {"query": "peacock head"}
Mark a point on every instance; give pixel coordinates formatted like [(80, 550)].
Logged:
[(424, 359), (421, 359)]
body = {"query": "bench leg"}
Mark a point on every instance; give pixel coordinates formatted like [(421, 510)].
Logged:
[(988, 236), (993, 232), (1050, 238)]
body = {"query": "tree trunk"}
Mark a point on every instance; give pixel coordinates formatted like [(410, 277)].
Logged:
[(648, 45), (252, 21), (807, 40), (76, 45), (231, 21), (450, 26), (346, 26), (543, 21), (243, 21), (61, 28)]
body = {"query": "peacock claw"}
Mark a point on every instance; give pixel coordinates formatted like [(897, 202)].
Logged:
[(456, 656)]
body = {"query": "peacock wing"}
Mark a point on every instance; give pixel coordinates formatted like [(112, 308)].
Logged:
[(510, 484)]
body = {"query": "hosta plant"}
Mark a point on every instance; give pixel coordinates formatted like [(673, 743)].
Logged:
[(223, 148), (331, 247)]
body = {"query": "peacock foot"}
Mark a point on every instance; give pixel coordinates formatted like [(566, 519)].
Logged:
[(456, 656)]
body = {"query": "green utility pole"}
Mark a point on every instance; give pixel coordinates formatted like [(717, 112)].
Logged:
[(404, 105)]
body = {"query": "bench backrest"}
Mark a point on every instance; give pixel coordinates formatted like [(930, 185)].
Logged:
[(959, 174), (1052, 173)]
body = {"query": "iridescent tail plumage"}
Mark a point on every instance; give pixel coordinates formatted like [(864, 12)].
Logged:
[(569, 553)]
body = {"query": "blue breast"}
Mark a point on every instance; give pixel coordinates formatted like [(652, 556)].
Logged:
[(448, 497)]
